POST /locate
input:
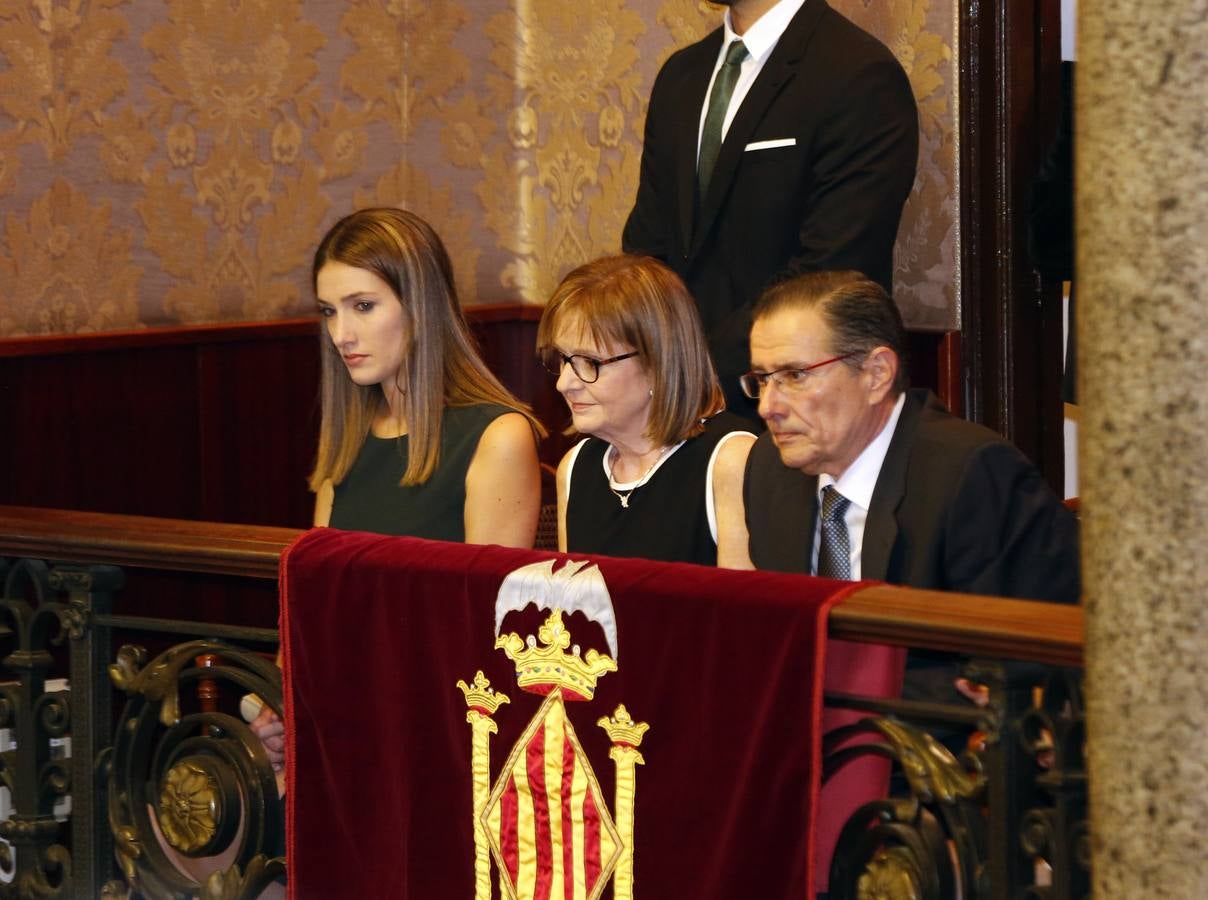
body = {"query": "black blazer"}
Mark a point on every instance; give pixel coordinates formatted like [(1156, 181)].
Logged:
[(955, 508), (831, 200)]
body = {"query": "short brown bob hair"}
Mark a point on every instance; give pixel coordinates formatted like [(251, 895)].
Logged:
[(636, 301)]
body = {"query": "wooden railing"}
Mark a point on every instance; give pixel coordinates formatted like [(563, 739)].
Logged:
[(1015, 801), (935, 620)]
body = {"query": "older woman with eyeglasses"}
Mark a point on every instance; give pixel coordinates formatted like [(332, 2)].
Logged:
[(659, 472)]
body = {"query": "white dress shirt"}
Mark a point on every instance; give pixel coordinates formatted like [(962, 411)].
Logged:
[(760, 40), (857, 485)]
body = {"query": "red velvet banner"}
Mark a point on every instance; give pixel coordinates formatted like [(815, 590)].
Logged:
[(402, 784)]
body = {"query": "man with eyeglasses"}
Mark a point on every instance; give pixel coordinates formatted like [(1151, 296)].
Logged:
[(858, 477)]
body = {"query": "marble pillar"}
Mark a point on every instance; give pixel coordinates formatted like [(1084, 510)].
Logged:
[(1141, 139)]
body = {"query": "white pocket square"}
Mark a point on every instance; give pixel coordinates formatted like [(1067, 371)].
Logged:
[(768, 145)]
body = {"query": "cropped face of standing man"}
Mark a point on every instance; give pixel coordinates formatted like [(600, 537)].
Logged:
[(822, 418), (745, 13)]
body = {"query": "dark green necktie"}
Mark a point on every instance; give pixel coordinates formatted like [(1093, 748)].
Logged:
[(715, 117)]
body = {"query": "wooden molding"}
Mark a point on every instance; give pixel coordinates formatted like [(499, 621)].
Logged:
[(177, 545), (959, 623), (141, 338), (220, 332)]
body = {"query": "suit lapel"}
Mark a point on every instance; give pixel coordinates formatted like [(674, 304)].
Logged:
[(781, 67), (809, 505), (692, 90), (881, 528)]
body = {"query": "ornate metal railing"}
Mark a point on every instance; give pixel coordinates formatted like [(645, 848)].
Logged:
[(1004, 818), (173, 797), (181, 778)]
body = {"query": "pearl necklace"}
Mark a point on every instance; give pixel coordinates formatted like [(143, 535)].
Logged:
[(623, 496)]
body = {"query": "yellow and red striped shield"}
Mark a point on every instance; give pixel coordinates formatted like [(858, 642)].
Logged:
[(548, 826)]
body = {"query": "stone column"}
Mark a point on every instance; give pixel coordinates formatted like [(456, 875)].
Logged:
[(1142, 292)]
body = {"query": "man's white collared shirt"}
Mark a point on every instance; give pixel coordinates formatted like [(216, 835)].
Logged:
[(857, 485), (760, 40)]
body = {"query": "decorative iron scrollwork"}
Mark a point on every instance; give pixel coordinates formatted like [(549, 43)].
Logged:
[(190, 806), (930, 769), (921, 846), (68, 580), (1055, 831), (1007, 819), (47, 877), (74, 618), (53, 712), (125, 669), (186, 783), (234, 885), (890, 875), (31, 622), (115, 890)]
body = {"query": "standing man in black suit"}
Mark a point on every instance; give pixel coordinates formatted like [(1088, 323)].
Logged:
[(857, 477), (791, 151)]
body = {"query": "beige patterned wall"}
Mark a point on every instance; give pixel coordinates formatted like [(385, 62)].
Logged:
[(176, 162)]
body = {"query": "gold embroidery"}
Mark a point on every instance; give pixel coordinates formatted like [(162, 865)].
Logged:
[(541, 668), (551, 732), (482, 701), (546, 820), (626, 736)]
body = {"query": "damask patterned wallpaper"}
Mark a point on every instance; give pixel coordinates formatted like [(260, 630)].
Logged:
[(176, 162)]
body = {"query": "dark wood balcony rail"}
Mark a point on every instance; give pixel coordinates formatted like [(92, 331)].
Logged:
[(966, 824), (964, 623)]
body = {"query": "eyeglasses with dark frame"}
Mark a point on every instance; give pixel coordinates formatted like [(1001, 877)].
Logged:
[(787, 380), (586, 368)]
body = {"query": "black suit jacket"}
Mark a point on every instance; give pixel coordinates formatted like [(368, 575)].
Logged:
[(832, 200), (955, 508)]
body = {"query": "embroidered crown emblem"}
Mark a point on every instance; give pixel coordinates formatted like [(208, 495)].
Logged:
[(481, 697), (621, 729), (544, 821), (543, 664)]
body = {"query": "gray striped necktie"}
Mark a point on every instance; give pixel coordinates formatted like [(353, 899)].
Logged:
[(834, 551)]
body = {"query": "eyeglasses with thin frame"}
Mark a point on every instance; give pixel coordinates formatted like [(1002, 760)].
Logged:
[(586, 368), (787, 380)]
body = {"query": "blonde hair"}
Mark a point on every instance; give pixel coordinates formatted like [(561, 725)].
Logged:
[(638, 302), (441, 366)]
